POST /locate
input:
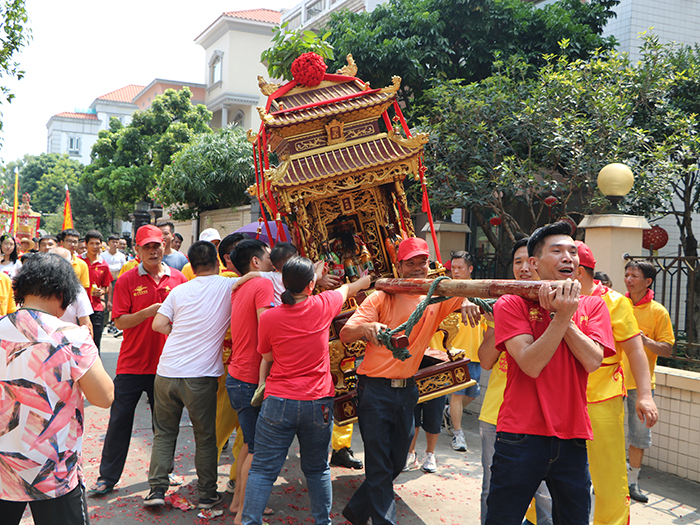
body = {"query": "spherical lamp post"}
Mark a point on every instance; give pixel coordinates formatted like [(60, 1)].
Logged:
[(615, 181)]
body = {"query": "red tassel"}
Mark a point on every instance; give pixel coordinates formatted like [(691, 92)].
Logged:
[(425, 206)]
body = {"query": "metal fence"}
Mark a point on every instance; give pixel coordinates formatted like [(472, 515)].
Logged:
[(674, 287)]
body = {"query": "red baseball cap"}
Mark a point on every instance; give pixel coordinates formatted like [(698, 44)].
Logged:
[(148, 233), (585, 255), (412, 247)]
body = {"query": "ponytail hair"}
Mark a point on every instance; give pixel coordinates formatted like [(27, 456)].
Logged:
[(297, 273)]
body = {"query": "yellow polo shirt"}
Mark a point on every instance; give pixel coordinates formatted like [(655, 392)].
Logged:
[(493, 399), (128, 265), (81, 270), (7, 296), (608, 381), (655, 323)]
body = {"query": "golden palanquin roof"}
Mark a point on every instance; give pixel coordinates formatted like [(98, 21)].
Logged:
[(340, 160)]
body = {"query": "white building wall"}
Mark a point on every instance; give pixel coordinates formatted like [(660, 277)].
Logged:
[(60, 130)]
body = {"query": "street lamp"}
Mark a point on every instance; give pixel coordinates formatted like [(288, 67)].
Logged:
[(140, 216), (615, 181)]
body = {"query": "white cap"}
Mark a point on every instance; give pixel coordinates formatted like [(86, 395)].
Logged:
[(210, 234)]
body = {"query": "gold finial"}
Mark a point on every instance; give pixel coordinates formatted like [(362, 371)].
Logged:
[(351, 69), (267, 88)]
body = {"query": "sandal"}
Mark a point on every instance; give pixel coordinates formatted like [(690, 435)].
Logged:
[(101, 487)]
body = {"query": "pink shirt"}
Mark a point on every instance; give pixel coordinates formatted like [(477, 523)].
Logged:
[(297, 336), (41, 404)]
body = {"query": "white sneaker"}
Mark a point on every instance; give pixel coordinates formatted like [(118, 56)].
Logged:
[(429, 463), (411, 462), (459, 443)]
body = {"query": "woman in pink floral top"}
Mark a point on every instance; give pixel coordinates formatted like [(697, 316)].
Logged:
[(48, 365)]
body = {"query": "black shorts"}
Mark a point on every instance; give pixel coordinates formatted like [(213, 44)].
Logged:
[(70, 509)]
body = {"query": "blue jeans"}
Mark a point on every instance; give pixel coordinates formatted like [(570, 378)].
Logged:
[(543, 501), (387, 425), (522, 461), (280, 420), (240, 395)]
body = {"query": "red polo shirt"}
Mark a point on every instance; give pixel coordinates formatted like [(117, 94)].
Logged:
[(134, 291), (101, 276)]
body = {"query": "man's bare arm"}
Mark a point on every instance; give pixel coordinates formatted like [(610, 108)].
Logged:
[(645, 408), (660, 349), (588, 352), (135, 319), (162, 324)]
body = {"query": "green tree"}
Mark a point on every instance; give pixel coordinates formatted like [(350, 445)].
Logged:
[(14, 35), (427, 40), (126, 160), (213, 171), (501, 146), (50, 190)]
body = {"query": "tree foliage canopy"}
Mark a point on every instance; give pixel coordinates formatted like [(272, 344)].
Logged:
[(428, 40), (508, 142), (213, 171), (13, 36), (127, 159)]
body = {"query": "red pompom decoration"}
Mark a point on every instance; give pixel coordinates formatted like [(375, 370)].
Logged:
[(309, 69), (655, 238), (551, 200), (495, 221)]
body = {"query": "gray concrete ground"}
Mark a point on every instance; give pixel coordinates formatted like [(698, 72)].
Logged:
[(449, 496)]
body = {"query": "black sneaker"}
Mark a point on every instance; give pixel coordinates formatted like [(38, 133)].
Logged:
[(207, 503), (155, 498), (345, 458)]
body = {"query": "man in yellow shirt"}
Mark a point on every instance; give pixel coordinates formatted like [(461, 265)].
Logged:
[(468, 338), (605, 393), (69, 240), (658, 339)]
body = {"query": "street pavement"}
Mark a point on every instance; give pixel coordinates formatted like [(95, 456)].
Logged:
[(450, 496)]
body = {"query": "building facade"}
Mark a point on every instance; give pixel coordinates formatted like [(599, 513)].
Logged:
[(233, 44)]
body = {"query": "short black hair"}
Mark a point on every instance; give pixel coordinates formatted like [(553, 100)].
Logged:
[(113, 237), (202, 256), (648, 269), (244, 252), (169, 224), (46, 275), (70, 231), (281, 253), (604, 278), (178, 236), (15, 253), (465, 256), (534, 245), (229, 242), (93, 234), (47, 238), (518, 244)]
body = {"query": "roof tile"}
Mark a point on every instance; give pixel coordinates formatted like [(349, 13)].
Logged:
[(81, 116), (259, 15), (125, 94)]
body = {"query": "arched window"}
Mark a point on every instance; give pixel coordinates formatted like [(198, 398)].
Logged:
[(215, 67), (238, 118)]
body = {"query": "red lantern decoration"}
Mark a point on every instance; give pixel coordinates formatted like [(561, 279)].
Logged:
[(309, 69), (495, 221), (571, 223), (655, 238), (551, 200)]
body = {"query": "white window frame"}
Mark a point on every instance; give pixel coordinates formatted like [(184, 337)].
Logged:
[(216, 68)]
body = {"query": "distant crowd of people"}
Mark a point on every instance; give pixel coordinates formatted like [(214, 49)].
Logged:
[(237, 333)]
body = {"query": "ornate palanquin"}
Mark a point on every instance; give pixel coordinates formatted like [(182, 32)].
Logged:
[(343, 151)]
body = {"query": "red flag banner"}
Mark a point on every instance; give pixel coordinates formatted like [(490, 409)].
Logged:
[(67, 212)]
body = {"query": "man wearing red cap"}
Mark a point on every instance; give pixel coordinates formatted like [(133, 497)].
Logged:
[(386, 391), (605, 394), (138, 294)]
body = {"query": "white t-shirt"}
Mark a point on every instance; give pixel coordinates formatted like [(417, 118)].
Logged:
[(11, 268), (115, 262), (200, 312), (276, 278), (81, 307)]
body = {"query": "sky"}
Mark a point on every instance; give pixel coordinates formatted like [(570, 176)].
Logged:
[(82, 49)]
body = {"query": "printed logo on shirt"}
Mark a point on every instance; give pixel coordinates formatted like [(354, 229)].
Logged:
[(167, 289), (503, 362), (140, 290), (583, 319), (535, 315)]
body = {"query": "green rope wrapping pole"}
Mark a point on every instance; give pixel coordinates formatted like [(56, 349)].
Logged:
[(384, 335)]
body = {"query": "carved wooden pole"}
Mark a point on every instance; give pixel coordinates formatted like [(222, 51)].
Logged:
[(483, 288)]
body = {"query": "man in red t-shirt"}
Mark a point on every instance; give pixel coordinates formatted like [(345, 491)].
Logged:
[(248, 302), (137, 296), (100, 281), (543, 424)]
